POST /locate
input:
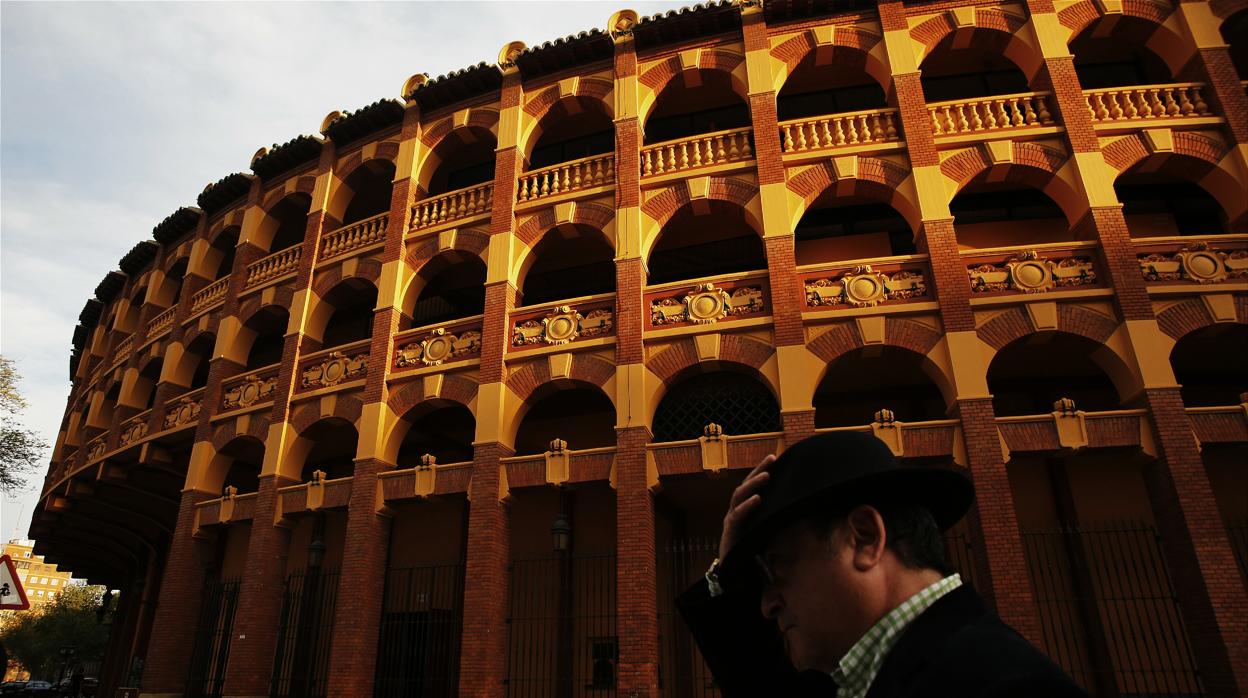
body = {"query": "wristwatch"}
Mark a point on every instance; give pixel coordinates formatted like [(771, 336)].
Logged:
[(712, 579)]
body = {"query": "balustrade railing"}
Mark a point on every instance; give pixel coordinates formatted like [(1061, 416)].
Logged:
[(434, 345), (327, 368), (990, 113), (460, 203), (863, 284), (835, 130), (586, 173), (1182, 260), (1032, 269), (1147, 102), (125, 348), (697, 151), (160, 324), (277, 264), (562, 322), (209, 295), (249, 389), (369, 231), (707, 301)]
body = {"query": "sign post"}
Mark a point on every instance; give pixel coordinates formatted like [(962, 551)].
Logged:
[(12, 595)]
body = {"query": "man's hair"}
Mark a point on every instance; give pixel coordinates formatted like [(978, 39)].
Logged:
[(910, 532)]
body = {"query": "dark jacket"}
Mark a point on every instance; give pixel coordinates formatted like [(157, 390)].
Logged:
[(957, 647)]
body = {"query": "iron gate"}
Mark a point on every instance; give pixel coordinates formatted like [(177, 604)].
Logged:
[(304, 634), (421, 627), (212, 639), (1108, 611), (562, 634)]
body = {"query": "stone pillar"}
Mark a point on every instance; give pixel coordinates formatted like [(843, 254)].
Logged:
[(1008, 587)]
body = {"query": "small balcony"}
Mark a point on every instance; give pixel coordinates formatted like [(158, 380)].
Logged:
[(355, 238), (725, 298), (252, 389), (435, 345), (1136, 106), (1068, 427), (452, 206), (696, 152), (1220, 424), (183, 411), (937, 438), (427, 479), (560, 465), (1198, 261), (1004, 271), (124, 350), (231, 508), (318, 494), (860, 130), (273, 267), (986, 116), (566, 178), (866, 283), (334, 368), (134, 429), (714, 451), (160, 325), (209, 296), (563, 322)]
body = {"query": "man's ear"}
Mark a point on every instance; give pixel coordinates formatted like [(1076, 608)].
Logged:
[(866, 529)]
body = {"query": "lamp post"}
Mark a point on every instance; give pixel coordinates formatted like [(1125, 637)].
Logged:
[(304, 670), (561, 537)]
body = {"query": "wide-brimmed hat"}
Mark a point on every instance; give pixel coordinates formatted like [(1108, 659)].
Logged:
[(834, 472)]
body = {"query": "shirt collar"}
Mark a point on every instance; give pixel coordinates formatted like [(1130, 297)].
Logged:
[(857, 669)]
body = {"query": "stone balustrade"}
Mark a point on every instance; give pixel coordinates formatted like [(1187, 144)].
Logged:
[(160, 324), (209, 295), (349, 238), (271, 267), (1141, 102), (994, 113), (836, 130), (451, 206), (586, 173), (697, 151), (124, 350)]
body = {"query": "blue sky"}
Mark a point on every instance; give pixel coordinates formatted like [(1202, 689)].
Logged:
[(112, 115)]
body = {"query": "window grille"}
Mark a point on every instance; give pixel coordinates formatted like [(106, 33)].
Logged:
[(304, 635), (212, 639), (738, 403), (421, 627)]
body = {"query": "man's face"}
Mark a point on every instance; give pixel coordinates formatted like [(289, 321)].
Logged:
[(814, 593)]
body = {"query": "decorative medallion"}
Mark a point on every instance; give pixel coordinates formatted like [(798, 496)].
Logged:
[(562, 325), (438, 347), (97, 448), (706, 304), (863, 287), (334, 369), (1196, 262), (182, 412), (1028, 272), (133, 431), (252, 390)]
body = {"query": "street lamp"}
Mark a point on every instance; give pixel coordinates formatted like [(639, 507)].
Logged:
[(561, 533)]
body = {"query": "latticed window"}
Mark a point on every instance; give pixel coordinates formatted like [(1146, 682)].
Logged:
[(738, 403)]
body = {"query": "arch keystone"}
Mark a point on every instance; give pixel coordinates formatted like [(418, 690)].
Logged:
[(1043, 316), (460, 118), (446, 240), (962, 17), (432, 385), (699, 188), (824, 36), (1159, 140), (1108, 7), (560, 365), (845, 167), (689, 59), (1221, 306), (871, 329), (565, 212), (569, 86), (1000, 152), (708, 346)]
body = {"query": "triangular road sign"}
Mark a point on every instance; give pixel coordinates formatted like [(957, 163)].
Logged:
[(12, 595)]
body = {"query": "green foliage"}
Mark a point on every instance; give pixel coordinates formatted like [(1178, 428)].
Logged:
[(21, 449), (36, 638)]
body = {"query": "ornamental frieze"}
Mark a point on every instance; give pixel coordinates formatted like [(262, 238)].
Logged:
[(706, 304), (1028, 272), (334, 369), (863, 287), (1195, 262), (562, 325), (97, 448), (132, 432), (251, 391), (182, 412), (438, 347)]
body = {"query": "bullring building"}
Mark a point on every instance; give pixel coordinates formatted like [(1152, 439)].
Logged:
[(448, 398)]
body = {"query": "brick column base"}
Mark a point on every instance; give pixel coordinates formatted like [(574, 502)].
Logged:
[(637, 622), (483, 656)]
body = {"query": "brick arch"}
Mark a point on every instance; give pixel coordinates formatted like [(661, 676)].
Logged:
[(795, 49), (470, 241), (283, 297), (455, 388), (1182, 319), (306, 184), (1130, 150), (1078, 16), (368, 269), (347, 407), (480, 118), (386, 150), (657, 77), (1015, 324), (586, 368), (535, 227), (736, 349), (223, 434), (990, 24), (1196, 158), (663, 205), (587, 88), (1031, 165), (844, 337), (874, 178), (1225, 9)]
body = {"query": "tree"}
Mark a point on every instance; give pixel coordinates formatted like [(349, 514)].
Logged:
[(35, 638), (21, 449)]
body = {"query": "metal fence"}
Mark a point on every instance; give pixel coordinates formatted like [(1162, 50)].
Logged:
[(562, 639), (1108, 610), (304, 634), (1237, 531), (682, 671), (421, 624), (212, 639)]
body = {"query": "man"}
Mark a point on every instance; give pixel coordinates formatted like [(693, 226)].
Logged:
[(831, 581)]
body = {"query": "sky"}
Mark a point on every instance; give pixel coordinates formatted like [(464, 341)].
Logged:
[(112, 115)]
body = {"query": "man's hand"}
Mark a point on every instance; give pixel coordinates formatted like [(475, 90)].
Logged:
[(745, 499)]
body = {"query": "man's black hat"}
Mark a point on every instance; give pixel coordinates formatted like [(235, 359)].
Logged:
[(837, 471)]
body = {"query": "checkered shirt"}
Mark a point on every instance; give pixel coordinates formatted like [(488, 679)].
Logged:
[(857, 669)]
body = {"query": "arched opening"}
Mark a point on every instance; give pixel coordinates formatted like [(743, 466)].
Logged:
[(148, 378), (694, 102), (110, 403), (268, 330), (705, 238), (353, 302), (246, 456), (1210, 367), (171, 289), (448, 287), (998, 214), (572, 129), (128, 318), (865, 380), (464, 158), (739, 402), (199, 356), (1118, 56), (1235, 33), (223, 249), (833, 83), (1032, 372), (837, 228), (1159, 204), (331, 444), (968, 70), (288, 220), (446, 433), (370, 186), (570, 261), (581, 415)]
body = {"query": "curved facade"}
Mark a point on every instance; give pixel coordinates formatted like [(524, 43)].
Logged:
[(450, 398)]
